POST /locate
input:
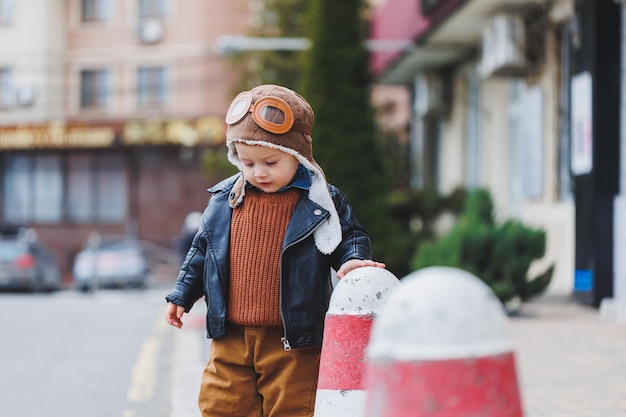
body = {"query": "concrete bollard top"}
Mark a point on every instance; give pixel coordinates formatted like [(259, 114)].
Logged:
[(440, 313), (363, 291)]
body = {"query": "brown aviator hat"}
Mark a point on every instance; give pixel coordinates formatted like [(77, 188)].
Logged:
[(277, 117)]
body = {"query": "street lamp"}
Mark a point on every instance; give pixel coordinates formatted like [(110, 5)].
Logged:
[(231, 44)]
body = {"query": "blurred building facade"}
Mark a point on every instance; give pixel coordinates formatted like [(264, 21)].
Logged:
[(521, 97), (105, 108)]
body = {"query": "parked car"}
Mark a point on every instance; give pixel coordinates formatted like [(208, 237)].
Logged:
[(25, 262), (110, 261)]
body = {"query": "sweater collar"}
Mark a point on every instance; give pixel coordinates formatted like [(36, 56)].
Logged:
[(302, 179)]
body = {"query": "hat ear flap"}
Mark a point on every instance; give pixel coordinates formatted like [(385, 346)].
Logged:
[(237, 193), (232, 155), (328, 235)]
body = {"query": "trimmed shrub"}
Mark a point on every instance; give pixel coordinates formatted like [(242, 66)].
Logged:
[(500, 255)]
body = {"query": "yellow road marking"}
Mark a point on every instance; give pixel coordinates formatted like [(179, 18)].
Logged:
[(144, 374)]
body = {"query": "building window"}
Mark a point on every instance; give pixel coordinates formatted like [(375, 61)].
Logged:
[(33, 189), (93, 88), (152, 8), (80, 187), (525, 128), (6, 88), (96, 189), (92, 189), (472, 131), (6, 11), (95, 10), (151, 87)]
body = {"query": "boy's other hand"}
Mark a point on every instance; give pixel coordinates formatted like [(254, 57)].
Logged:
[(173, 315), (356, 263)]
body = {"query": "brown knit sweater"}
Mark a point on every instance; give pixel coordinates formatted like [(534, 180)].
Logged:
[(258, 229)]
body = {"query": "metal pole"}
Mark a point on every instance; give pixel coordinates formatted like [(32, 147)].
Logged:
[(615, 309), (93, 243)]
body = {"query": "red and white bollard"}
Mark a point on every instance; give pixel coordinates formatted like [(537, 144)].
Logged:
[(356, 300), (441, 348)]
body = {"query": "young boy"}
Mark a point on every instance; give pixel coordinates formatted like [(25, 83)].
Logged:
[(263, 262)]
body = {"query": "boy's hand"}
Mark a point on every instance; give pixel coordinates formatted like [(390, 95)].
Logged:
[(173, 315), (356, 263)]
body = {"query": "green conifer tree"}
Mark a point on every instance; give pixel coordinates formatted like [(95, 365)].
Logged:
[(336, 82), (276, 19)]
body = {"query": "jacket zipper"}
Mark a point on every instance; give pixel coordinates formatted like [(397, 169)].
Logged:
[(284, 340)]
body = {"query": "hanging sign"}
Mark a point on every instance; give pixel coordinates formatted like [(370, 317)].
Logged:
[(581, 124)]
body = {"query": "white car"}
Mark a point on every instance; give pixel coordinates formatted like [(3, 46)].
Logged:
[(25, 263), (110, 262)]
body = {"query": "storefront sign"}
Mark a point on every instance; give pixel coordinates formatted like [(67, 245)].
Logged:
[(55, 135), (62, 135), (204, 131)]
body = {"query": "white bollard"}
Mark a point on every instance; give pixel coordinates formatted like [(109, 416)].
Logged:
[(441, 348), (356, 299)]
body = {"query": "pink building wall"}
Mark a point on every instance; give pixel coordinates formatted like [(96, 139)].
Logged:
[(201, 82)]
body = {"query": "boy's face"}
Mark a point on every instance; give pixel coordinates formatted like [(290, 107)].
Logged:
[(266, 168)]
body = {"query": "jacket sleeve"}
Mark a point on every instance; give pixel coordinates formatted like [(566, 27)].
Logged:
[(355, 242), (189, 285)]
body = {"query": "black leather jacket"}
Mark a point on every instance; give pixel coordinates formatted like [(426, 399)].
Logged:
[(305, 272)]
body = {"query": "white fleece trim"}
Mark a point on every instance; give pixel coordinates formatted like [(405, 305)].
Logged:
[(243, 181), (328, 234)]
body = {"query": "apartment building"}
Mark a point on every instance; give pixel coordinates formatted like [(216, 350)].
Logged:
[(106, 107), (520, 97)]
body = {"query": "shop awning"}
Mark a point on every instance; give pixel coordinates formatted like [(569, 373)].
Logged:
[(443, 32)]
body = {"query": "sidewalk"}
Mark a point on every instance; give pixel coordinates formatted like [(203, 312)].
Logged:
[(569, 362)]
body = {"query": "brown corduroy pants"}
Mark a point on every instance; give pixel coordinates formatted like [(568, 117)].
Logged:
[(249, 374)]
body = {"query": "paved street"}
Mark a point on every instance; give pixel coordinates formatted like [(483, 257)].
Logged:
[(72, 354), (570, 363)]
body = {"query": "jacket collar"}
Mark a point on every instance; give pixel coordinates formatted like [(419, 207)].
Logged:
[(306, 209)]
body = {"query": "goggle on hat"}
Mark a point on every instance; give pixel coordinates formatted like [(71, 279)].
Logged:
[(277, 117)]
